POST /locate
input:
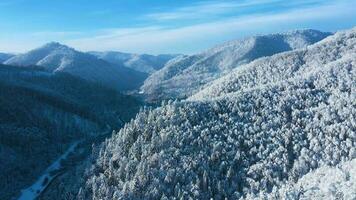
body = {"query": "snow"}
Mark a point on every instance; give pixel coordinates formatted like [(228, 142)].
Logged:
[(139, 62), (5, 56), (330, 182), (57, 58), (45, 179), (267, 124), (281, 66), (324, 183), (184, 75)]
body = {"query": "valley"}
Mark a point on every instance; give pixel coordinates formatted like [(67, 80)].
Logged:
[(263, 117), (47, 177)]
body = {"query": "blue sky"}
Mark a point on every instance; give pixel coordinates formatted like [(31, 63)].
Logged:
[(160, 26)]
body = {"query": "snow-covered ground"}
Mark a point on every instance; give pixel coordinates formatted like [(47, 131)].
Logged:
[(324, 183), (46, 178), (279, 120), (184, 75)]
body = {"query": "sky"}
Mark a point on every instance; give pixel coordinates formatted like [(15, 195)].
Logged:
[(160, 26)]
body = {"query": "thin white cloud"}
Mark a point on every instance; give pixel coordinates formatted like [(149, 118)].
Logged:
[(162, 39), (216, 8), (124, 32), (17, 45), (201, 9)]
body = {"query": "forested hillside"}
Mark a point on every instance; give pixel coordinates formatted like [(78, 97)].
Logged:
[(323, 183), (178, 100), (184, 75), (257, 131), (41, 114)]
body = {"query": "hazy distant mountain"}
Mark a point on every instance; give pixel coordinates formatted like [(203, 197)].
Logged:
[(5, 56), (55, 57), (183, 75), (139, 62), (256, 133)]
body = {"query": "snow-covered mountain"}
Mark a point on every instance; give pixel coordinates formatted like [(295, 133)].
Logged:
[(281, 67), (55, 57), (5, 56), (139, 62), (182, 76), (326, 182), (258, 130), (42, 113)]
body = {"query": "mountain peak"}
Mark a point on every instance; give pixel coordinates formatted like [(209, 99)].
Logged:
[(55, 45), (306, 30), (199, 69), (51, 56)]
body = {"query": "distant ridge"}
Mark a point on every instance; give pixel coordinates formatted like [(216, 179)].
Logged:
[(55, 57), (5, 56), (184, 75), (140, 62)]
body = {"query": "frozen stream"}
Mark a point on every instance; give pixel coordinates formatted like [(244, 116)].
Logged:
[(46, 178)]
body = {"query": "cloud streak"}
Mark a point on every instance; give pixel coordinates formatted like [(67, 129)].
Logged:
[(217, 8), (158, 39)]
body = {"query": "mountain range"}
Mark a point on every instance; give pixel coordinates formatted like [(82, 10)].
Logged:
[(5, 56), (258, 132), (184, 75), (140, 62), (265, 117), (55, 57)]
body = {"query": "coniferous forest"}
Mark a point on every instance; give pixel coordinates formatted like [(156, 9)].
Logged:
[(219, 100)]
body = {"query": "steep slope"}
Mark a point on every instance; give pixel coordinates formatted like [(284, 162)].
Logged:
[(42, 113), (55, 57), (182, 76), (324, 183), (5, 56), (139, 62), (280, 67), (241, 143)]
